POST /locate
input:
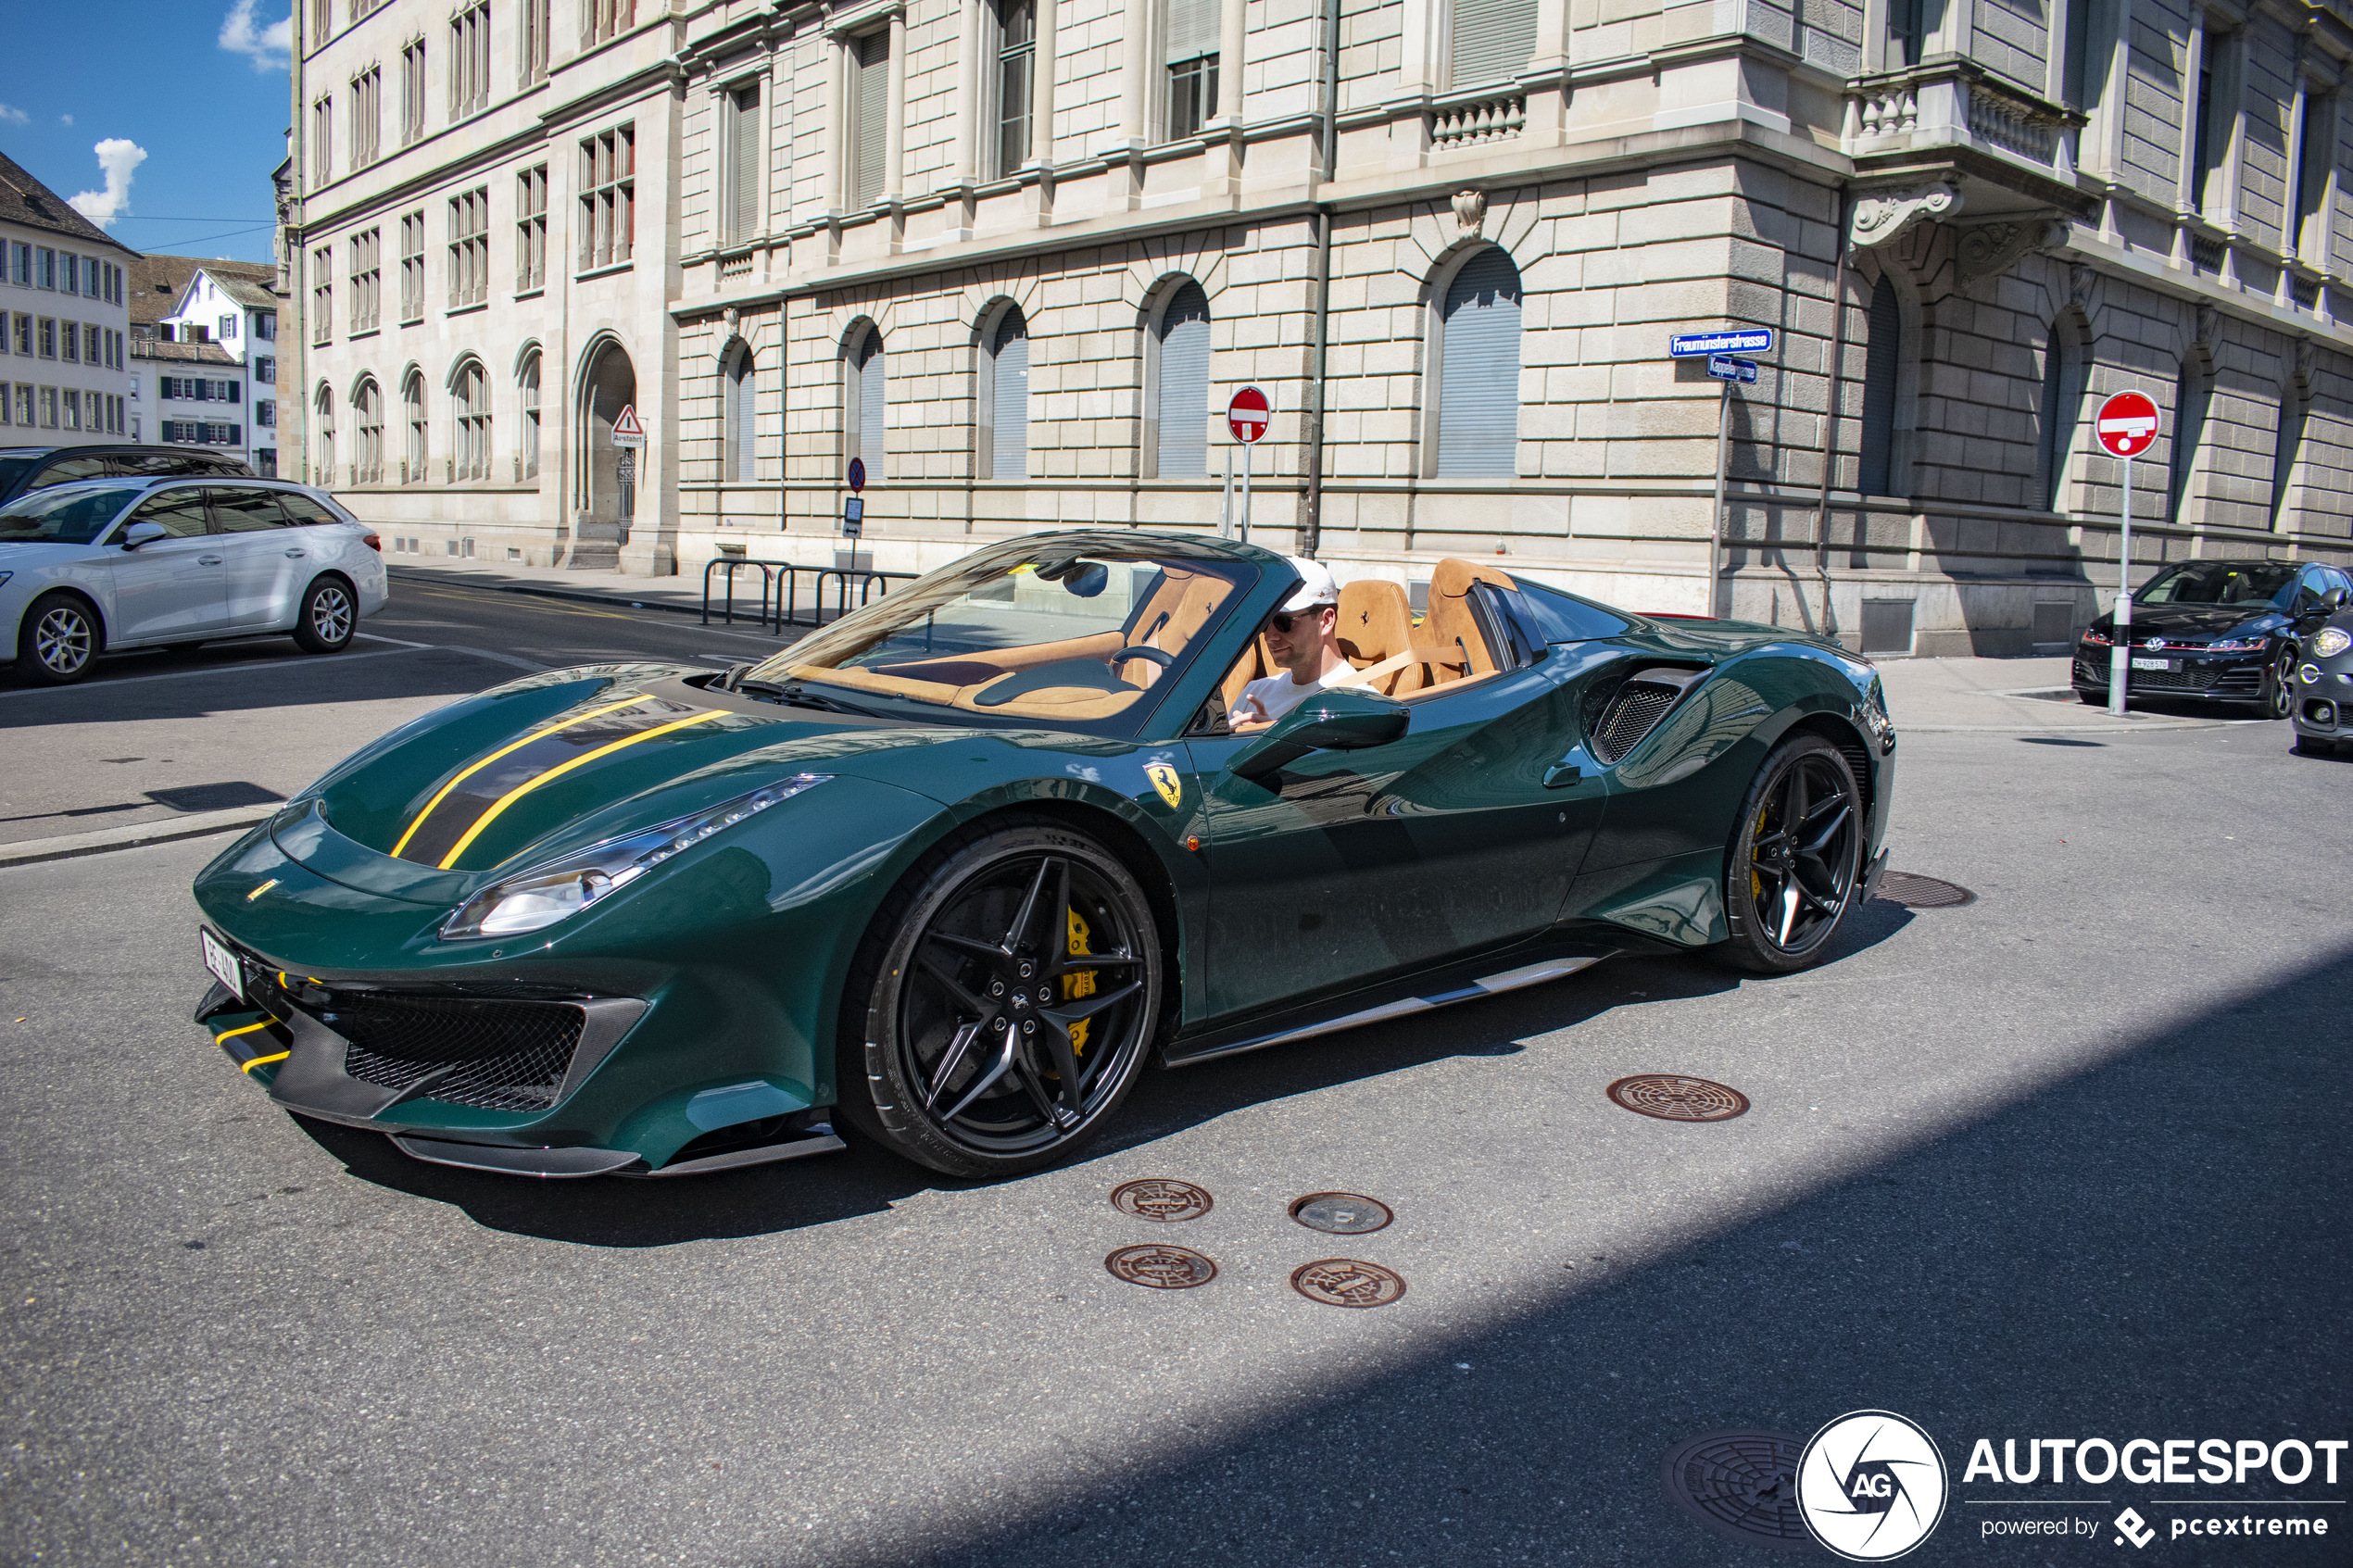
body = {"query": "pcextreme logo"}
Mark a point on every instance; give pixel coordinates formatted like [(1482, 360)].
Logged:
[(1871, 1486)]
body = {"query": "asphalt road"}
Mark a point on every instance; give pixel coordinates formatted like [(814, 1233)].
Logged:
[(2068, 1161)]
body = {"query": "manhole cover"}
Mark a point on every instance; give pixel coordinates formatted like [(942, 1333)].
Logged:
[(1917, 892), (1673, 1098), (1161, 1268), (1157, 1198), (1347, 1282), (1741, 1484), (1340, 1213)]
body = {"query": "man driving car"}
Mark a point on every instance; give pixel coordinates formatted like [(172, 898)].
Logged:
[(1302, 641)]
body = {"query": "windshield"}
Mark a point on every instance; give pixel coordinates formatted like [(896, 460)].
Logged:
[(69, 515), (13, 468), (1070, 633), (2247, 583)]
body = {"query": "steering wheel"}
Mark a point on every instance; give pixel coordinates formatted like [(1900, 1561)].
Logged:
[(1138, 651)]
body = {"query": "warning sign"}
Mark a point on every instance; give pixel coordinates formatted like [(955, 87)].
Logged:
[(626, 431)]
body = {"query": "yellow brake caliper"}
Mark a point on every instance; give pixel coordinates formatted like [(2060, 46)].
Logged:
[(1078, 982)]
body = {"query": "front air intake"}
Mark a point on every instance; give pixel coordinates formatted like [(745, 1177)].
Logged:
[(1634, 709)]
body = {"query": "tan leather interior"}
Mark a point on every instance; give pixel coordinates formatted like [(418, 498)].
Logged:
[(1181, 604), (1451, 628), (1376, 632)]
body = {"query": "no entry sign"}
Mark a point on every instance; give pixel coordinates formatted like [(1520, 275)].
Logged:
[(1246, 416), (2127, 425)]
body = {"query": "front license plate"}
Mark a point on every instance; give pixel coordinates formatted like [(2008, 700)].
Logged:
[(2152, 664), (223, 965)]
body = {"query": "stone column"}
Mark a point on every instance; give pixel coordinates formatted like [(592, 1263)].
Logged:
[(1232, 33), (894, 111), (969, 40), (1042, 94)]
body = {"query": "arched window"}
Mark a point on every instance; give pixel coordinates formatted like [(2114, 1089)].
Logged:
[(531, 416), (323, 460), (412, 411), (2060, 409), (866, 400), (1883, 358), (472, 393), (2192, 392), (1478, 356), (368, 416), (738, 456), (1004, 384), (2296, 411), (1179, 437)]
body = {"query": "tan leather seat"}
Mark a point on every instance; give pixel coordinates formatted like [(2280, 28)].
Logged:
[(1451, 627), (1181, 604), (1375, 625)]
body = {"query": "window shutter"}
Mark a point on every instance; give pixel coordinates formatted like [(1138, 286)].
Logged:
[(1009, 398), (871, 100), (1492, 39), (1479, 370), (873, 405), (1182, 402), (744, 127), (1192, 30), (1883, 349)]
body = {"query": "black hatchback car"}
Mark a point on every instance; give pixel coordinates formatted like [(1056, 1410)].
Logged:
[(2215, 631), (37, 468)]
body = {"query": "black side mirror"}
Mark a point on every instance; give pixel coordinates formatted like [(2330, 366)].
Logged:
[(140, 533), (1341, 720)]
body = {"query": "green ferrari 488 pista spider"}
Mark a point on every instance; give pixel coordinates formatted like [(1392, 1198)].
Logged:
[(958, 865)]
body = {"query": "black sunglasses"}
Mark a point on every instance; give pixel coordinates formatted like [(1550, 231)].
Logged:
[(1281, 619)]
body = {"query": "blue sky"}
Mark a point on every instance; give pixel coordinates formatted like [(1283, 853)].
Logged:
[(195, 84)]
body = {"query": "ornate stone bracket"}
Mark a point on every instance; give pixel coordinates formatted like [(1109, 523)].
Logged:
[(1989, 249), (1881, 214), (1470, 210)]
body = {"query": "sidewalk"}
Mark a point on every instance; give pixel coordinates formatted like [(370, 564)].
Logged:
[(681, 594)]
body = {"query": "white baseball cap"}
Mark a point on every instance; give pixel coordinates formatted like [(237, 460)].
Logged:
[(1315, 586)]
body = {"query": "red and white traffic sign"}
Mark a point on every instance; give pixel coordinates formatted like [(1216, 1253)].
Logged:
[(626, 431), (2127, 425), (1247, 415)]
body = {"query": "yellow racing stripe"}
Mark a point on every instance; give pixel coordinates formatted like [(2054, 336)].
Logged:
[(559, 771), (233, 1034), (518, 746), (259, 1060)]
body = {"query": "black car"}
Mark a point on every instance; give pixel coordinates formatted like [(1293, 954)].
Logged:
[(37, 468), (2215, 631), (2323, 702)]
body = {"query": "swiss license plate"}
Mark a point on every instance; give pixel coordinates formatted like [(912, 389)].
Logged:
[(2152, 664), (223, 963)]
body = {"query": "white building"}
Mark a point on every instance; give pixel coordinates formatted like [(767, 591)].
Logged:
[(64, 323), (233, 308)]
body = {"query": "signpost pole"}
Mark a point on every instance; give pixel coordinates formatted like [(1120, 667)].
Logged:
[(1716, 517), (2126, 427), (1246, 465), (2120, 656), (1226, 502)]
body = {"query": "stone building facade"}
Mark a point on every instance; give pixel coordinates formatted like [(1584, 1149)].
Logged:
[(1015, 256)]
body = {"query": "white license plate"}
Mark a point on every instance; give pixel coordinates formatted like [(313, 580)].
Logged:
[(2152, 664), (223, 965)]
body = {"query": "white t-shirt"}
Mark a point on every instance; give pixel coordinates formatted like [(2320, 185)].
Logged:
[(1274, 696)]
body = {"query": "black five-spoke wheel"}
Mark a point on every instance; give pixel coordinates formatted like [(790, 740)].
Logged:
[(1795, 858), (1003, 1004)]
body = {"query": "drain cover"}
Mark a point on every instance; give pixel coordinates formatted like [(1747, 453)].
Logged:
[(1917, 892), (1161, 1268), (1346, 1282), (1157, 1198), (1673, 1098), (1340, 1213), (1741, 1484)]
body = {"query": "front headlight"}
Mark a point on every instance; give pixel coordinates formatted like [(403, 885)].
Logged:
[(546, 894), (2239, 645), (2333, 640)]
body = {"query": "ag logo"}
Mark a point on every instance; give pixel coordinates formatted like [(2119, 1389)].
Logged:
[(1165, 780), (1871, 1486)]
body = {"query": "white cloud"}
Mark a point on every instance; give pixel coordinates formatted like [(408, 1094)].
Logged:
[(14, 116), (269, 48), (119, 160), (66, 119)]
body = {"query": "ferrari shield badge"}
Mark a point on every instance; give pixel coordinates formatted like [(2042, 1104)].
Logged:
[(1165, 780)]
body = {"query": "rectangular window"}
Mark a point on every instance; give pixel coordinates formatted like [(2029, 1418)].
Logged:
[(4, 331), (20, 263), (265, 414), (48, 337), (601, 19), (870, 107), (74, 409), (366, 116), (739, 156), (48, 269), (322, 125), (48, 407), (69, 281), (24, 334), (470, 62), (1016, 63), (24, 405), (265, 371), (322, 295), (73, 342), (94, 345), (470, 248), (1190, 50), (2310, 165), (322, 24), (1492, 41), (228, 329), (531, 229), (412, 267), (2216, 118), (367, 281), (412, 91), (608, 199), (265, 326), (537, 15)]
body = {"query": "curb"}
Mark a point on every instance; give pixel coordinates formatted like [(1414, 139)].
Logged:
[(199, 824), (576, 596)]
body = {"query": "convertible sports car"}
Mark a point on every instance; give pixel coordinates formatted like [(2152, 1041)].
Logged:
[(961, 863)]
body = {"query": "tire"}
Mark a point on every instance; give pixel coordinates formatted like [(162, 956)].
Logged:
[(327, 618), (1786, 892), (2279, 688), (58, 641), (948, 1054)]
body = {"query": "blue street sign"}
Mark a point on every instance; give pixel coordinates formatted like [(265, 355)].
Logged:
[(1723, 366), (1739, 340), (857, 474)]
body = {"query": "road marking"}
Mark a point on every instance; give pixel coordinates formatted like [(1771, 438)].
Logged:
[(558, 771), (629, 701), (216, 669), (496, 657), (379, 637)]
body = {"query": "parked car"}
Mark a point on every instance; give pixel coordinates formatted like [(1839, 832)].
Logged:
[(117, 563), (26, 469), (2323, 713), (2214, 631), (959, 865)]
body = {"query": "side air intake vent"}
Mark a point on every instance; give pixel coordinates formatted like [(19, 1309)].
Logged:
[(1635, 709)]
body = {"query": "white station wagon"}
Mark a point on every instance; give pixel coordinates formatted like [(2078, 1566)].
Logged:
[(119, 563)]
